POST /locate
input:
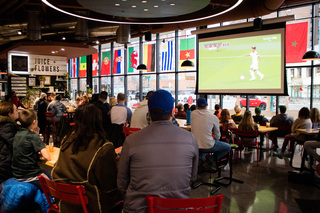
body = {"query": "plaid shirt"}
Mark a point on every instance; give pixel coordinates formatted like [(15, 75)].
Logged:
[(174, 121)]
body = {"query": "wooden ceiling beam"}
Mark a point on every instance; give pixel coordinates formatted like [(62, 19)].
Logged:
[(8, 5)]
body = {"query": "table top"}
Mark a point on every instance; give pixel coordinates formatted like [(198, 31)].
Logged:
[(264, 129), (182, 123), (309, 132)]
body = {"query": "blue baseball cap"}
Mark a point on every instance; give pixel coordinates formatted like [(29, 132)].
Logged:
[(162, 101), (202, 103)]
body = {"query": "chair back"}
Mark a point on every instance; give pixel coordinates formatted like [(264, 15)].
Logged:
[(283, 129), (65, 192), (129, 130), (245, 137), (49, 117), (197, 205), (225, 133)]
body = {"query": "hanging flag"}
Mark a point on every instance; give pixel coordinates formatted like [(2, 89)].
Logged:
[(74, 68), (95, 64), (106, 63), (187, 50), (166, 56), (117, 62), (83, 66), (149, 52), (133, 59), (296, 41)]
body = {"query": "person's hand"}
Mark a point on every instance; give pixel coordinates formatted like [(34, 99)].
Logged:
[(36, 130)]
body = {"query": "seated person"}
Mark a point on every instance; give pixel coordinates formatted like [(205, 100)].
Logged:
[(258, 118), (28, 149), (237, 116), (311, 147), (217, 111), (76, 103), (314, 115), (226, 118), (300, 123), (57, 108), (181, 113), (247, 123)]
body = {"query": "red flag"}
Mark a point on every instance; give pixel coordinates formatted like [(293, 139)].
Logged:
[(296, 41), (95, 64), (105, 65)]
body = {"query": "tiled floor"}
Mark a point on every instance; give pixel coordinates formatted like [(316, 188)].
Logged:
[(266, 187)]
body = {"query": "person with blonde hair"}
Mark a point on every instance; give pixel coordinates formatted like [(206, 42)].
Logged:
[(85, 100), (112, 101), (247, 123), (237, 116), (226, 118)]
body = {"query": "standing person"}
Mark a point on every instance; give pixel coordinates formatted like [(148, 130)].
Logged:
[(106, 122), (150, 163), (254, 68), (237, 116), (104, 94), (203, 125), (87, 158), (139, 116), (120, 114), (280, 119), (16, 101), (41, 109), (8, 129), (112, 102), (26, 148)]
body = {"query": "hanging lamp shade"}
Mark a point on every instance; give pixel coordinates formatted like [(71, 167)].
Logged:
[(311, 55), (142, 67), (187, 64)]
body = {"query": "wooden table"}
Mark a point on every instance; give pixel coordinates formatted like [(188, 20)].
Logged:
[(309, 132), (182, 123)]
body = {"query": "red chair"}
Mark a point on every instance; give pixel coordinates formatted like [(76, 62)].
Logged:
[(65, 192), (50, 123), (198, 205), (247, 139), (129, 130)]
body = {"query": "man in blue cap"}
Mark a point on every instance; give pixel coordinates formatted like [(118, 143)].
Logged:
[(203, 125), (159, 160)]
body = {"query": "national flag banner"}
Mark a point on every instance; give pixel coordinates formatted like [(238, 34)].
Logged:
[(106, 63), (149, 53), (187, 50), (83, 66), (117, 62), (74, 68), (133, 59), (95, 64), (296, 41), (167, 56)]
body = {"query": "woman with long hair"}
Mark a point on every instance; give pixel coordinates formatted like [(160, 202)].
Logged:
[(314, 115), (85, 100), (8, 129), (225, 117), (87, 158), (247, 123)]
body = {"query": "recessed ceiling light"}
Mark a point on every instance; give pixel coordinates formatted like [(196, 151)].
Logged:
[(53, 52), (144, 1), (172, 4), (63, 38), (97, 42), (155, 6), (62, 49), (145, 9), (19, 32), (124, 0), (117, 5), (134, 6)]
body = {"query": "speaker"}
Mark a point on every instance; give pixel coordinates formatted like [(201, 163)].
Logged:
[(147, 36), (257, 24)]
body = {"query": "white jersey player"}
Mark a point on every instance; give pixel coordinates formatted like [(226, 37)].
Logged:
[(254, 66)]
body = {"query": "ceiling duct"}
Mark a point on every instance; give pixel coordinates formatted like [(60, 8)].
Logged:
[(34, 26), (81, 29), (123, 35)]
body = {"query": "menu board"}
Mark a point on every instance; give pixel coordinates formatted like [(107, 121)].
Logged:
[(19, 85)]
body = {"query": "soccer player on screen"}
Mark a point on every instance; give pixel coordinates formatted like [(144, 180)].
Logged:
[(254, 66)]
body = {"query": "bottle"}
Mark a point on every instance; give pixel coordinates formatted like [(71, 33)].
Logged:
[(51, 145), (188, 117), (41, 136)]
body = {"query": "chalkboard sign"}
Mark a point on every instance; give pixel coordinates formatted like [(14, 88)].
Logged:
[(19, 63)]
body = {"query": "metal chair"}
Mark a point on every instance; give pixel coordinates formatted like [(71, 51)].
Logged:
[(197, 205)]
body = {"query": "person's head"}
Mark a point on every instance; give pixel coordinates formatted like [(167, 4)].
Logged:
[(85, 99), (314, 115), (43, 96), (237, 109), (28, 118), (160, 105), (304, 113), (121, 98), (9, 109), (88, 122), (112, 101), (13, 94), (193, 107), (149, 95), (179, 107), (103, 96), (185, 107), (78, 99), (257, 110), (253, 48), (58, 98), (202, 103), (224, 116), (217, 107), (283, 109)]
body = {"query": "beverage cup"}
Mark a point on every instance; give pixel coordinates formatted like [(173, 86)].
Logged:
[(267, 125), (308, 126), (315, 126), (51, 149)]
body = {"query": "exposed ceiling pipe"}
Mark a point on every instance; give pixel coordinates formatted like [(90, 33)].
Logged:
[(103, 31), (123, 34), (81, 30), (34, 26), (243, 11)]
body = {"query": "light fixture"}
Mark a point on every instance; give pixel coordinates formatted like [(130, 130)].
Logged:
[(187, 64), (19, 32), (311, 55), (63, 38), (142, 67)]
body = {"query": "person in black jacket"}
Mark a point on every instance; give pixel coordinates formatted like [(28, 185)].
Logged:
[(8, 129), (42, 108), (105, 113)]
